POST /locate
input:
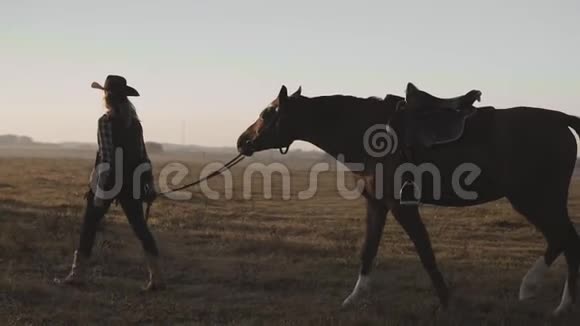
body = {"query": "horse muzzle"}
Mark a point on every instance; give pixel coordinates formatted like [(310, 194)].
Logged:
[(246, 147)]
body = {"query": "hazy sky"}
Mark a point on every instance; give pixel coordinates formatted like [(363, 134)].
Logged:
[(213, 65)]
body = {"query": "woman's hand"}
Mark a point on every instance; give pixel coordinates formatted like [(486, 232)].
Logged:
[(149, 193), (98, 202)]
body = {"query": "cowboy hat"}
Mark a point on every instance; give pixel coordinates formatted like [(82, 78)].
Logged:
[(117, 85)]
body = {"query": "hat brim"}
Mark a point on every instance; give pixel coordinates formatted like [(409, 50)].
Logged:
[(127, 91), (97, 86), (130, 91)]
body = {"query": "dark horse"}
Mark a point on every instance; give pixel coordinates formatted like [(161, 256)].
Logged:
[(524, 154)]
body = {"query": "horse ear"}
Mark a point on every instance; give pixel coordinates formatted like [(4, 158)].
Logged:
[(298, 92), (283, 95), (411, 89)]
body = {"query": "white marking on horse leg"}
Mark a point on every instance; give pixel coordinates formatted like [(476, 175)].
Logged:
[(566, 302), (362, 285), (531, 282)]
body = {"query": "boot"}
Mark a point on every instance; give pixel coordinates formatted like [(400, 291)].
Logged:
[(155, 280), (76, 275)]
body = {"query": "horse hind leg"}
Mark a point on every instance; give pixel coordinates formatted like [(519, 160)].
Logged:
[(572, 253), (552, 224), (536, 274), (561, 237)]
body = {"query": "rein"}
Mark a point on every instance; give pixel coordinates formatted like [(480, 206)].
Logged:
[(227, 166), (215, 173)]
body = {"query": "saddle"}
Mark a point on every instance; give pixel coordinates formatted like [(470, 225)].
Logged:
[(429, 120)]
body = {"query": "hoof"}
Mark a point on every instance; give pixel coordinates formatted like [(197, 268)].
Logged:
[(360, 289), (151, 287), (527, 291), (67, 281), (561, 311), (349, 301), (354, 298), (533, 279), (566, 304)]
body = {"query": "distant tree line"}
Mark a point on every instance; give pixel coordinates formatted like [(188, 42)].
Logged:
[(153, 148), (15, 140)]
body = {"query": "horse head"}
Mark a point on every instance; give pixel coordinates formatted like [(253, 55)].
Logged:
[(274, 127)]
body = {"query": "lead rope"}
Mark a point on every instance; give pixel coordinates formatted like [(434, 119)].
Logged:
[(217, 172)]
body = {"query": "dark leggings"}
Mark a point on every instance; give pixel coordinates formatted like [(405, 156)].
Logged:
[(133, 209)]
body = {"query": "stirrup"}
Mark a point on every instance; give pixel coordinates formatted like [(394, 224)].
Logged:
[(416, 198)]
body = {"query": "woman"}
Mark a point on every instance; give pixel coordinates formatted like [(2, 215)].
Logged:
[(123, 173)]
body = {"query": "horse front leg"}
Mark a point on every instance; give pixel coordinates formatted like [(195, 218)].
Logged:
[(375, 222), (409, 218)]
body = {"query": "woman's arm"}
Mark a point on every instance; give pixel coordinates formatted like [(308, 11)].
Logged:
[(149, 194), (106, 155), (145, 157), (143, 148)]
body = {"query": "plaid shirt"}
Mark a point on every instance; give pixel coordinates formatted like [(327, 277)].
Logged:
[(106, 152), (105, 140)]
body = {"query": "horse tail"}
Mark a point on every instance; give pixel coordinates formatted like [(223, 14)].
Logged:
[(574, 123)]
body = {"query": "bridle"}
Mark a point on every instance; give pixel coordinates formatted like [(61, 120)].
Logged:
[(274, 121)]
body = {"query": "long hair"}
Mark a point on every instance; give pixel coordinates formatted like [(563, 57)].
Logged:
[(119, 106)]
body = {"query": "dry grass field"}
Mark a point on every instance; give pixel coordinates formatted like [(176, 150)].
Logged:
[(258, 261)]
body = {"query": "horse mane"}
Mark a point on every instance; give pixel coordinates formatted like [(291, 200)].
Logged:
[(348, 102)]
